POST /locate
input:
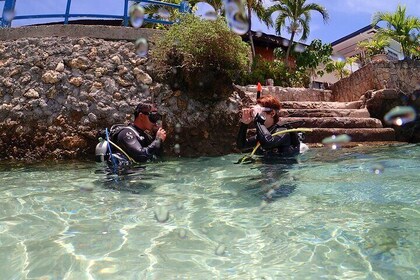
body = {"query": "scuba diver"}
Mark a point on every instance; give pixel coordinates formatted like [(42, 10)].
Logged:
[(277, 148), (266, 116), (137, 142)]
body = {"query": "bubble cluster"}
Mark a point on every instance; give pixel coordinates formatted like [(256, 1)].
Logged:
[(400, 115), (335, 141)]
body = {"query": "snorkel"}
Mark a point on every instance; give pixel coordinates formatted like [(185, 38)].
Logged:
[(259, 90)]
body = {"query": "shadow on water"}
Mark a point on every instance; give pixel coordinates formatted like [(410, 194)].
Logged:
[(134, 178), (274, 181)]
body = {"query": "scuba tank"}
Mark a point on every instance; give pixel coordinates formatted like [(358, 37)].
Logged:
[(101, 150)]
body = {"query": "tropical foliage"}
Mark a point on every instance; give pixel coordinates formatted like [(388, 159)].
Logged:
[(278, 71), (374, 46), (338, 67), (400, 27), (313, 56), (203, 64), (295, 16)]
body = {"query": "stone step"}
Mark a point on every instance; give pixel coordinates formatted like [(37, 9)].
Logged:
[(356, 134), (331, 122), (321, 105), (322, 113)]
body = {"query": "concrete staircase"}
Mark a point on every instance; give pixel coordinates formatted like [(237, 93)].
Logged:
[(334, 118), (326, 118)]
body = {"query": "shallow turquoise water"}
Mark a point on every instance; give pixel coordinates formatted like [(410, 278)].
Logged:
[(329, 217)]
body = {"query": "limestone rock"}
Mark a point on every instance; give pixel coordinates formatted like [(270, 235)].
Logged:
[(73, 142), (31, 93), (59, 67), (76, 81), (116, 59), (123, 82), (81, 63), (51, 77), (142, 77)]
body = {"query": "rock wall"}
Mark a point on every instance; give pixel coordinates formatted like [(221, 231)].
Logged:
[(400, 75), (291, 94), (57, 92)]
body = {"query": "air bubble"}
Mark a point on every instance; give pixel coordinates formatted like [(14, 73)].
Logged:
[(377, 169), (258, 34), (220, 250), (299, 48), (205, 11), (400, 115), (163, 13), (335, 141), (177, 148), (263, 205), (9, 15), (182, 233), (142, 47), (236, 16), (179, 205), (178, 128), (161, 214), (136, 16)]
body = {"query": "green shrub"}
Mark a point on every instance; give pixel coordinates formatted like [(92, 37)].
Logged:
[(200, 57), (277, 70)]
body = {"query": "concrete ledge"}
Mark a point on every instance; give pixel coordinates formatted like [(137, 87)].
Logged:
[(78, 31)]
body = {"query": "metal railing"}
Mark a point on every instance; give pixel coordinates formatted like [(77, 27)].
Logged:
[(9, 7)]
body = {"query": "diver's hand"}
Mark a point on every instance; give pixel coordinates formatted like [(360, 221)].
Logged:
[(161, 134), (246, 117)]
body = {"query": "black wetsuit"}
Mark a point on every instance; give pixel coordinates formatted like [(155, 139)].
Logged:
[(138, 144), (271, 146)]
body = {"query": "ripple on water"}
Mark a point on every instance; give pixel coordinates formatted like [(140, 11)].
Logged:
[(338, 221)]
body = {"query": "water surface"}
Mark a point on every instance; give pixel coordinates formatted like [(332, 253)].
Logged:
[(345, 214)]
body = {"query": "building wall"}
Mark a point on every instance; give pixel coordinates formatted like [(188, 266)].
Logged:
[(265, 52)]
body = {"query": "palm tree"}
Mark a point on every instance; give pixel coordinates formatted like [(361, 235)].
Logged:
[(295, 15), (338, 67), (400, 27), (257, 7)]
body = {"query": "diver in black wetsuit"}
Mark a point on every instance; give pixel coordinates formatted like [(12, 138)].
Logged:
[(137, 142), (278, 151), (266, 117)]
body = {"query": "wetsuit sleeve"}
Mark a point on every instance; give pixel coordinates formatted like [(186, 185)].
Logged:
[(131, 145), (268, 141), (241, 141)]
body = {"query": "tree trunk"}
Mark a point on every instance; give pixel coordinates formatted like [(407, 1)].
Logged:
[(251, 41), (289, 48)]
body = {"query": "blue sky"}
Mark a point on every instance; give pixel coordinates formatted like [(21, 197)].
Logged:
[(346, 16)]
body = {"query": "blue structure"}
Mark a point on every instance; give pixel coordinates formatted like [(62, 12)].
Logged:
[(9, 7)]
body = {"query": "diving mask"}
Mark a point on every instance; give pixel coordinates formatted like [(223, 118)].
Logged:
[(257, 109), (154, 117)]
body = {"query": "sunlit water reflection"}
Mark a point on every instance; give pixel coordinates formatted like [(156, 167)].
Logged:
[(328, 216)]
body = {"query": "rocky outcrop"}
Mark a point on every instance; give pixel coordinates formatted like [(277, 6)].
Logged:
[(380, 102), (56, 93)]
